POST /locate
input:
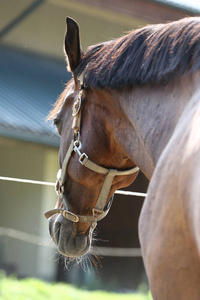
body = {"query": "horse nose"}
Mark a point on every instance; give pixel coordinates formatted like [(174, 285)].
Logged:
[(81, 241), (70, 239)]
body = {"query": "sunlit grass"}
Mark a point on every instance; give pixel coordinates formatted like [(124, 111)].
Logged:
[(35, 289)]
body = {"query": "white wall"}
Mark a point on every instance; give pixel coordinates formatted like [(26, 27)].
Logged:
[(22, 206), (43, 30)]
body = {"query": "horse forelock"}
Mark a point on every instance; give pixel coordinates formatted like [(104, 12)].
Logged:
[(150, 54)]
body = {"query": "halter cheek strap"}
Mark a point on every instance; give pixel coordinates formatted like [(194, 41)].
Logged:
[(101, 209)]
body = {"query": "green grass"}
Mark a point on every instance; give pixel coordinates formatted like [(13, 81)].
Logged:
[(34, 289)]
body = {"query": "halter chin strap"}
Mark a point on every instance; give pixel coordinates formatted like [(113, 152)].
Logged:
[(101, 209)]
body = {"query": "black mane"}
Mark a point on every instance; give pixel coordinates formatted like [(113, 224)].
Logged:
[(150, 54)]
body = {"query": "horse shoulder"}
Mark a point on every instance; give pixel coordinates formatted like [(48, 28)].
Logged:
[(168, 227)]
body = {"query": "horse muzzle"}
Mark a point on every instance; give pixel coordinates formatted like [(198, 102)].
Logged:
[(68, 239)]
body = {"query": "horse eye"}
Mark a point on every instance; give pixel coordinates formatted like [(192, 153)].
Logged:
[(56, 122)]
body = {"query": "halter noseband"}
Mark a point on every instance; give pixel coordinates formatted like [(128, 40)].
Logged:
[(101, 209)]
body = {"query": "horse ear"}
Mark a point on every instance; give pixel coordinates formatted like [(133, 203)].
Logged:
[(72, 44)]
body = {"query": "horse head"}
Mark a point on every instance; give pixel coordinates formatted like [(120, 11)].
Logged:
[(92, 163)]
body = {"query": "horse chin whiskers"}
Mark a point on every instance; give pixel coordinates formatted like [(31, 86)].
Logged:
[(95, 258), (83, 261), (89, 260), (86, 262), (67, 262)]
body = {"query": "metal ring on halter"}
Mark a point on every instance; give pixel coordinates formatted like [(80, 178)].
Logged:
[(77, 137)]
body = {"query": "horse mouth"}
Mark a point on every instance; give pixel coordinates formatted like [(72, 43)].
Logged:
[(69, 242)]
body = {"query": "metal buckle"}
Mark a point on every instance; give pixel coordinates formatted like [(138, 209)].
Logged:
[(83, 158), (97, 213), (70, 216), (77, 147)]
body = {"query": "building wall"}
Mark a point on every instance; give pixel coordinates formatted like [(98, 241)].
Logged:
[(42, 31), (22, 206)]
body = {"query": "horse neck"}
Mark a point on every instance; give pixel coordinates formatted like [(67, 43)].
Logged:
[(153, 111)]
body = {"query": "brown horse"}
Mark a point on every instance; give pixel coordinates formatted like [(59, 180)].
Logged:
[(134, 101)]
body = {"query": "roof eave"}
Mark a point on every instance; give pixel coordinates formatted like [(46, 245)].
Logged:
[(44, 139), (184, 8)]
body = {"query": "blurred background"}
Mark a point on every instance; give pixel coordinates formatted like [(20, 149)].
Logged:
[(32, 75)]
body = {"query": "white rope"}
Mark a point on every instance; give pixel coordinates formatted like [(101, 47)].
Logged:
[(27, 181), (128, 193), (22, 236), (119, 192), (40, 241), (118, 252)]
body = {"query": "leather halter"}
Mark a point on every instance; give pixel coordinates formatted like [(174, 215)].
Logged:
[(101, 209)]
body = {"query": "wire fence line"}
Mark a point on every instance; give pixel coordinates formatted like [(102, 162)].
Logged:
[(40, 241), (22, 236), (37, 240), (27, 181), (20, 180)]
